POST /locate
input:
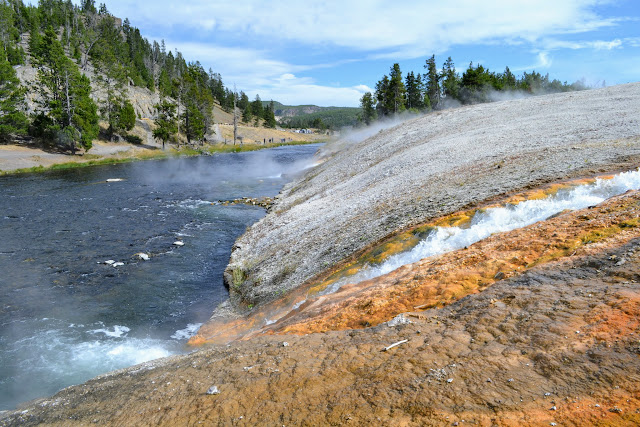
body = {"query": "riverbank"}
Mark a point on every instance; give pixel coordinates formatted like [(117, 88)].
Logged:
[(123, 262), (556, 345), (16, 159)]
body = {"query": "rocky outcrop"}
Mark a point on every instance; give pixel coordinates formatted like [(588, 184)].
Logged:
[(429, 166), (142, 99)]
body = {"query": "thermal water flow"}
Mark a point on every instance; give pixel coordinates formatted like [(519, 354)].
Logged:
[(497, 220)]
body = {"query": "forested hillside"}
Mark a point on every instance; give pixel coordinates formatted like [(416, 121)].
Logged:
[(85, 62), (311, 116)]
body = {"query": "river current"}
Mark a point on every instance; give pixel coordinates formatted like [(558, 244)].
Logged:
[(66, 315)]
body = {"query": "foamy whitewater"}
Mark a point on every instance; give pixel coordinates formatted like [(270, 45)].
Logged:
[(498, 220)]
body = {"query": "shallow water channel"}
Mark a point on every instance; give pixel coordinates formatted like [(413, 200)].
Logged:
[(486, 222), (65, 315)]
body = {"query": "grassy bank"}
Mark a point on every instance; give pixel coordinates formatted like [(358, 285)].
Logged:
[(229, 148), (151, 155)]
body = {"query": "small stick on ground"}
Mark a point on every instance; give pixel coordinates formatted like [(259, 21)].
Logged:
[(394, 344)]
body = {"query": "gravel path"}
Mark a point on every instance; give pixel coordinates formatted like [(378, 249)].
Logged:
[(426, 167)]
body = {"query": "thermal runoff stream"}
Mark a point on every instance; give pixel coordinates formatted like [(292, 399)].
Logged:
[(77, 299), (496, 220)]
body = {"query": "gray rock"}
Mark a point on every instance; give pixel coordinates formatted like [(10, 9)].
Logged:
[(372, 184)]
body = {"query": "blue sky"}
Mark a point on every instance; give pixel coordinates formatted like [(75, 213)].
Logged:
[(331, 52)]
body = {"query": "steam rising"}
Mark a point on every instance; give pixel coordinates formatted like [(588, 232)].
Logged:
[(247, 167), (350, 136)]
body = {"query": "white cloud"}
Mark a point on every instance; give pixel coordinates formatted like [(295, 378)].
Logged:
[(253, 72), (255, 44), (291, 90), (543, 62), (411, 28), (591, 44)]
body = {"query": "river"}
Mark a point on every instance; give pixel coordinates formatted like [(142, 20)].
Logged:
[(67, 316)]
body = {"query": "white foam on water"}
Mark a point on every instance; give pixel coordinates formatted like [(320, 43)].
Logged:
[(194, 203), (71, 354), (497, 220), (117, 332), (186, 333), (115, 354)]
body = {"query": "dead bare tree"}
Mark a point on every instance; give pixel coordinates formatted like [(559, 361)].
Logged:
[(235, 115)]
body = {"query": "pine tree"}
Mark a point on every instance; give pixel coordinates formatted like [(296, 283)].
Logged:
[(166, 126), (243, 101), (415, 99), (382, 96), (509, 79), (269, 116), (6, 25), (193, 123), (450, 80), (368, 110), (475, 82), (397, 90), (247, 115), (257, 109), (432, 82), (71, 114), (197, 102), (12, 119), (112, 79), (35, 38), (126, 116)]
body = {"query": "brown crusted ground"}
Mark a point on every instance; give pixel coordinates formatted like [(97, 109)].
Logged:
[(559, 343), (563, 335), (437, 281)]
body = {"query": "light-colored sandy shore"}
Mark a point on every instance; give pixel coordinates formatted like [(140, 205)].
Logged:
[(13, 157)]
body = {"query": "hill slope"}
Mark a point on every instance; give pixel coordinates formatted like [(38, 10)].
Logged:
[(310, 116), (424, 168)]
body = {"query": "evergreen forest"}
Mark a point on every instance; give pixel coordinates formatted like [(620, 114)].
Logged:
[(444, 88), (85, 60)]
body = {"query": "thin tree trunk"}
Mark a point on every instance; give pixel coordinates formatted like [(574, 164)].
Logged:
[(66, 94)]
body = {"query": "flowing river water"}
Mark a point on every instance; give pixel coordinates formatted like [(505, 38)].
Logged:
[(65, 315)]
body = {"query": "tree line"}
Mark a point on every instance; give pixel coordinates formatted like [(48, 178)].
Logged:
[(67, 43), (328, 118), (436, 89)]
